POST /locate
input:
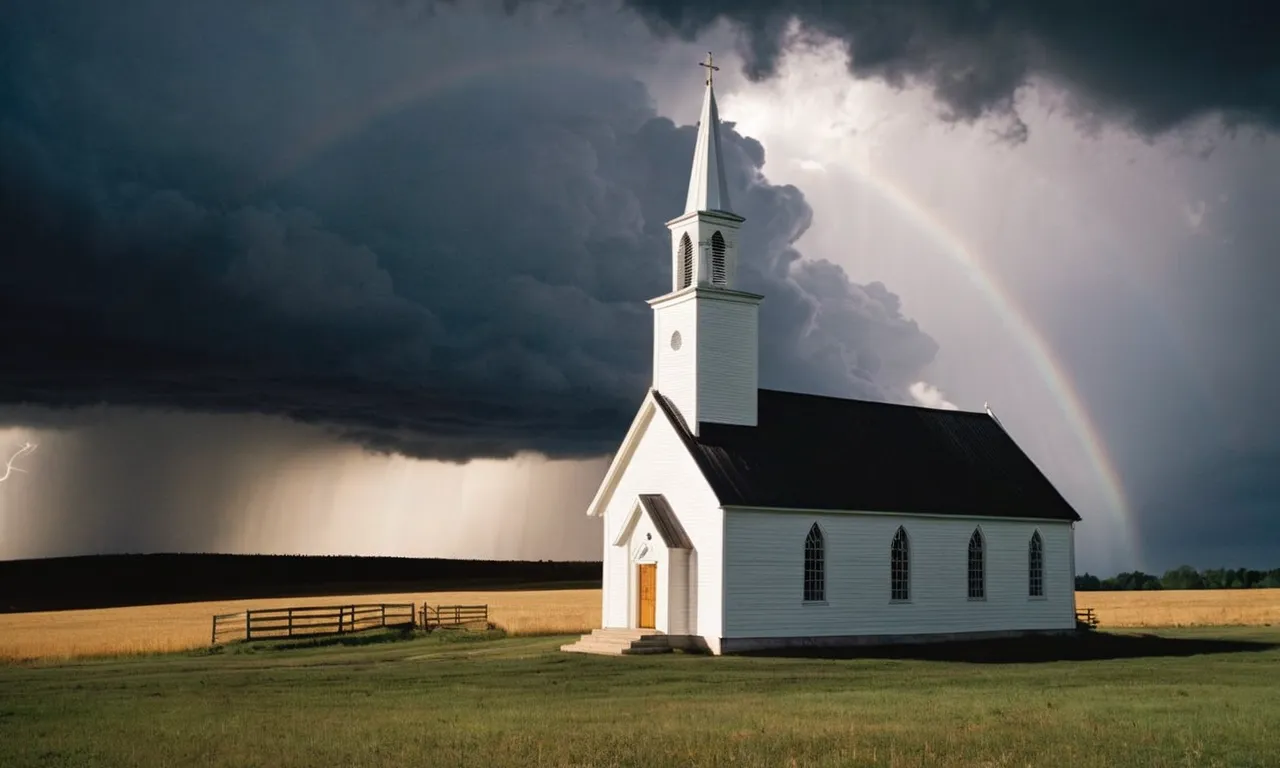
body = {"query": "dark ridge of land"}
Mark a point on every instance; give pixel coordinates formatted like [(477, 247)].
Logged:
[(108, 581)]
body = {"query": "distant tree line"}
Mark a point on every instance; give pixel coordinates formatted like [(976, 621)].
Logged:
[(1182, 577)]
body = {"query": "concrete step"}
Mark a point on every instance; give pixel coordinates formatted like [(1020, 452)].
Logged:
[(615, 642), (652, 640), (599, 650), (627, 634), (602, 642)]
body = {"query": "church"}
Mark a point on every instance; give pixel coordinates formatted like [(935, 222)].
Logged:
[(745, 519)]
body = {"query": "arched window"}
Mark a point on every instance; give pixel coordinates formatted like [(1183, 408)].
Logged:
[(900, 566), (686, 261), (815, 566), (977, 567), (1035, 566), (718, 276)]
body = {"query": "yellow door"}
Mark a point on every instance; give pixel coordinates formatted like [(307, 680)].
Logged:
[(648, 595)]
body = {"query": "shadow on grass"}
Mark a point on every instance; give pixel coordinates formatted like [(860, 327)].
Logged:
[(367, 637), (1083, 646)]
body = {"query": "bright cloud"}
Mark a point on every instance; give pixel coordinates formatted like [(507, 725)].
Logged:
[(931, 397)]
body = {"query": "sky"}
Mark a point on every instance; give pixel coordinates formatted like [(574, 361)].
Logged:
[(370, 277)]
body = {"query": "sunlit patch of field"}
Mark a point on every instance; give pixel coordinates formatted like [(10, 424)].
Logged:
[(1184, 608), (183, 626)]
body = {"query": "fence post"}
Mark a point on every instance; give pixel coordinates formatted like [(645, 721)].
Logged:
[(213, 639), (384, 615), (247, 626), (290, 622)]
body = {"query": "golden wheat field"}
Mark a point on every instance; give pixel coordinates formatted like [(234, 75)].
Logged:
[(145, 629), (1184, 608), (152, 628)]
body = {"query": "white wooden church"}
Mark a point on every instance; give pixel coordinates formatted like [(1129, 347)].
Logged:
[(738, 518)]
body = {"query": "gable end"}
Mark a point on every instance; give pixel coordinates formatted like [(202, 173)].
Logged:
[(622, 458)]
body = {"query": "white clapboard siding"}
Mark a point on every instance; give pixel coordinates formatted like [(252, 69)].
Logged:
[(661, 464), (728, 359), (764, 576), (677, 611), (675, 371)]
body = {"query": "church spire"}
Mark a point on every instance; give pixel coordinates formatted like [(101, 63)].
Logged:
[(706, 330), (707, 188)]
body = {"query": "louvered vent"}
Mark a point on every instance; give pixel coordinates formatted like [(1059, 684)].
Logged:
[(686, 262), (717, 260)]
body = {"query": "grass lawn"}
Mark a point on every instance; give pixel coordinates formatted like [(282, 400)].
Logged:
[(518, 701)]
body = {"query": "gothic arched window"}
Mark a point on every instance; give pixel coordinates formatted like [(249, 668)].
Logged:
[(1035, 566), (900, 566), (815, 566), (718, 275), (977, 566), (686, 261)]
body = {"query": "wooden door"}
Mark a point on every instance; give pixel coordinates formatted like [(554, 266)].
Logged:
[(648, 596)]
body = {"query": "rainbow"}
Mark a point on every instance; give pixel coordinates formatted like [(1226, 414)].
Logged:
[(1025, 333)]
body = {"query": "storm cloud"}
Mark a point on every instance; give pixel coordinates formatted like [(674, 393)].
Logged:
[(337, 214), (1149, 65)]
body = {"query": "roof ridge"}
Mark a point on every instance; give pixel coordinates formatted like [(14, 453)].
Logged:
[(862, 401)]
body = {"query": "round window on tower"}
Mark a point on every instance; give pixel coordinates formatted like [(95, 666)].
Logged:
[(675, 341)]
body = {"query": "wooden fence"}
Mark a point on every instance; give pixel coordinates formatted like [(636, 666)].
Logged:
[(1087, 618), (229, 626), (454, 616), (309, 621)]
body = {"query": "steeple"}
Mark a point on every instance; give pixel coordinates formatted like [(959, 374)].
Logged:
[(706, 330), (707, 188)]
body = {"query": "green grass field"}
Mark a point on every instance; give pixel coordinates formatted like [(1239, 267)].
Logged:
[(484, 702)]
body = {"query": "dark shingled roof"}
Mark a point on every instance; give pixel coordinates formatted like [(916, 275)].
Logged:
[(665, 520), (827, 453)]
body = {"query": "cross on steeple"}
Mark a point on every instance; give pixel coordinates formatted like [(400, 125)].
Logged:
[(710, 67), (707, 189)]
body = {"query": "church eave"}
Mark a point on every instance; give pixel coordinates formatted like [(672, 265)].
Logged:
[(726, 216), (892, 513), (706, 291)]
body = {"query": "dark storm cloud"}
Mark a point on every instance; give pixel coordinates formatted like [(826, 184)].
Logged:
[(1150, 64), (1219, 510), (205, 208)]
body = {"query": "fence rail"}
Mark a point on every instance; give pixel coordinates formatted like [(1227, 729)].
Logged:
[(228, 626), (1086, 617), (309, 621), (454, 616)]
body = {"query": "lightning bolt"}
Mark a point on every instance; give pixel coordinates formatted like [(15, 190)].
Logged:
[(9, 468)]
